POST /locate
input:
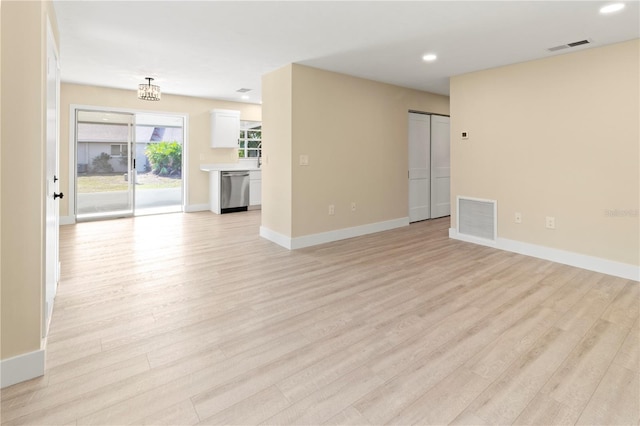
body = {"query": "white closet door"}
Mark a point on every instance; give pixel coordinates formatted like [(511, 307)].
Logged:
[(440, 167), (419, 161)]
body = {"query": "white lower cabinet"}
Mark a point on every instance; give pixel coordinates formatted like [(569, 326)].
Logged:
[(214, 191), (255, 187)]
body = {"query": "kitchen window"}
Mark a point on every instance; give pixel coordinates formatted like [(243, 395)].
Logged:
[(250, 141)]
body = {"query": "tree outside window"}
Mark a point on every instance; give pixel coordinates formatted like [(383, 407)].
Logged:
[(250, 141)]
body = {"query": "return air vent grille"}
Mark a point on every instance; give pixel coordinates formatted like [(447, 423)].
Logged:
[(477, 218), (568, 45)]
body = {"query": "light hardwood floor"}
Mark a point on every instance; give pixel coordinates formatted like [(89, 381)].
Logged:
[(194, 319)]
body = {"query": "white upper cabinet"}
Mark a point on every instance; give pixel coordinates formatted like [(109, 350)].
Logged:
[(225, 128)]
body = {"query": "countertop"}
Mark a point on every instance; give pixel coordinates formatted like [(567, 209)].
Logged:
[(219, 167)]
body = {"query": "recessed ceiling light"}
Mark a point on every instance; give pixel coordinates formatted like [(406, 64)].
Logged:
[(429, 57), (610, 8), (245, 97)]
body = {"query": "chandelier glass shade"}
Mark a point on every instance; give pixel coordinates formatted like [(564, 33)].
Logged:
[(148, 91)]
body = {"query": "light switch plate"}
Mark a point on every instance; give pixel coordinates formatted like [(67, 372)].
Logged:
[(304, 160)]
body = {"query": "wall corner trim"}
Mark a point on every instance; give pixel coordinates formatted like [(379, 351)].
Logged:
[(21, 368), (330, 236), (275, 237), (590, 263)]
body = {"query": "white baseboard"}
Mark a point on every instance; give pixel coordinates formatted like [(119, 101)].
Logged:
[(275, 237), (21, 368), (590, 263), (330, 236), (191, 208), (67, 220)]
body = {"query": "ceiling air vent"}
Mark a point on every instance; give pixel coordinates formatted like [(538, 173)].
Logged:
[(243, 90), (578, 43), (568, 45)]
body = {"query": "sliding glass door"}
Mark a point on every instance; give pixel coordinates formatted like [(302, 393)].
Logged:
[(158, 156), (128, 164), (103, 164)]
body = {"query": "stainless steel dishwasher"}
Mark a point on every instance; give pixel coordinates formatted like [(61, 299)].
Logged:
[(234, 191)]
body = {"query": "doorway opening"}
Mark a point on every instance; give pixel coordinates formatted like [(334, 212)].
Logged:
[(127, 164)]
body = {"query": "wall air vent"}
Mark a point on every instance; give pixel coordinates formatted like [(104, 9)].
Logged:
[(477, 218), (568, 45)]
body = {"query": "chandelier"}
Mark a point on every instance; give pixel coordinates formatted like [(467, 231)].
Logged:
[(148, 91)]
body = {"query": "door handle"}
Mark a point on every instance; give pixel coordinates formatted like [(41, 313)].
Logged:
[(56, 195)]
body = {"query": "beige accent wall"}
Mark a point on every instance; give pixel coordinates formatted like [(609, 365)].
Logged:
[(555, 137), (198, 110), (354, 132), (276, 150), (24, 41)]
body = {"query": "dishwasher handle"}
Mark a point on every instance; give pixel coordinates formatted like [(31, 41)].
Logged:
[(239, 173)]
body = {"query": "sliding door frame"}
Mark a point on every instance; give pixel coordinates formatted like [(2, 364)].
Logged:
[(73, 108)]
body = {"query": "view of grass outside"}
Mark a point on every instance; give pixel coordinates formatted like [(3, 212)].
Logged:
[(116, 182), (106, 152)]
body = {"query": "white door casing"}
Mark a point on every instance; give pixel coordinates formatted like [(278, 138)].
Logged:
[(52, 213), (419, 162), (440, 166)]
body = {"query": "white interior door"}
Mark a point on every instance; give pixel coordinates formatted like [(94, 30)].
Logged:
[(52, 213), (419, 162), (440, 167)]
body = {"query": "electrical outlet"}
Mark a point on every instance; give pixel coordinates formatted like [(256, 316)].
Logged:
[(332, 209), (304, 160), (518, 217), (550, 222), (353, 206), (464, 135)]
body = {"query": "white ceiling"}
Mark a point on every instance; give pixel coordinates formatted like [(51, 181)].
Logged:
[(212, 48)]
